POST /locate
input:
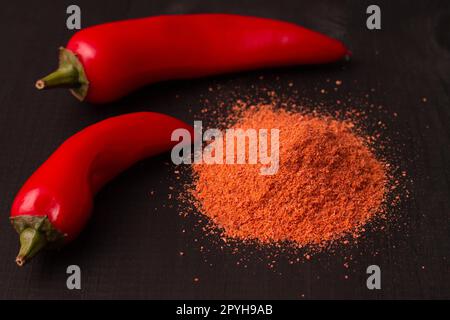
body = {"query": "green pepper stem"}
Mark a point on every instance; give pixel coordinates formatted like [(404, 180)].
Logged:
[(70, 74), (66, 76), (31, 242)]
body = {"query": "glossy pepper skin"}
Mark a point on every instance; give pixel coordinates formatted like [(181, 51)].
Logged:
[(105, 62), (56, 201)]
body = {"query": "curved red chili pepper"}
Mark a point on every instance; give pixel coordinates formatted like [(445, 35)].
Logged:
[(106, 62), (56, 201)]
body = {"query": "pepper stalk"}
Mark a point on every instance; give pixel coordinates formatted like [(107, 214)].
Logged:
[(31, 242), (70, 74), (35, 233)]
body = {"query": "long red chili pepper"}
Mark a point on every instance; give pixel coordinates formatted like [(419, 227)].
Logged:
[(56, 201), (106, 62)]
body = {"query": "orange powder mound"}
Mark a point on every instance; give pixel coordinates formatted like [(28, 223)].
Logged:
[(329, 183)]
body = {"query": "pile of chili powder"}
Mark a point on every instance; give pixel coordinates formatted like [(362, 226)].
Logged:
[(329, 183)]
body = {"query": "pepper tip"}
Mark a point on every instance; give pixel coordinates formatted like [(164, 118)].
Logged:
[(20, 261), (40, 84)]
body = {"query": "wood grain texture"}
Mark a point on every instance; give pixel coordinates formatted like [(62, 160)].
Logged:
[(130, 249)]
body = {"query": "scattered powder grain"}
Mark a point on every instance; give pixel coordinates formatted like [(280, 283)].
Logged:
[(329, 183)]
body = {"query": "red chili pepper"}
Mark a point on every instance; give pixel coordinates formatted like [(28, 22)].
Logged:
[(56, 201), (106, 62)]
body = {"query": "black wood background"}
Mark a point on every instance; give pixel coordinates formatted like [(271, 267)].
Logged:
[(131, 250)]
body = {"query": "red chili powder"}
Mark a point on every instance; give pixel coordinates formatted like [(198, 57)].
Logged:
[(329, 183)]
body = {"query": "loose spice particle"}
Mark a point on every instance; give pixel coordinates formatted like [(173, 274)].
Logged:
[(329, 183)]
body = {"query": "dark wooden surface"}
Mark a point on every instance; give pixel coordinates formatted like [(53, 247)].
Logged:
[(129, 250)]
